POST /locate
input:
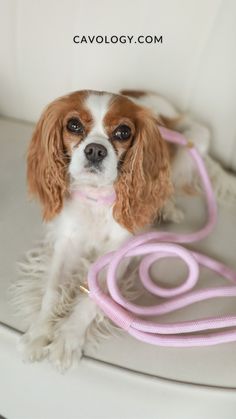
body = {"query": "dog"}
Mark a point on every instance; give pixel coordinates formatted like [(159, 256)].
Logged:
[(102, 172)]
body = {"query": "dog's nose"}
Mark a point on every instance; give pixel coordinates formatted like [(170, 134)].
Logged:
[(95, 152)]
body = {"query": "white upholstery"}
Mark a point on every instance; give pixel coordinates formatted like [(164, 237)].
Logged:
[(100, 391), (194, 67)]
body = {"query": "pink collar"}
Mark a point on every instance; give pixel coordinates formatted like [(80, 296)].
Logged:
[(104, 196)]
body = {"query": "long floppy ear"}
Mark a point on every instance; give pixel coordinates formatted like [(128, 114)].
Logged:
[(46, 165), (144, 182)]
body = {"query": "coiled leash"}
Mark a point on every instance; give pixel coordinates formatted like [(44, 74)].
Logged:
[(157, 245)]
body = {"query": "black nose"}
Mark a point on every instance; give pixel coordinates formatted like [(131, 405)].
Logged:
[(95, 152)]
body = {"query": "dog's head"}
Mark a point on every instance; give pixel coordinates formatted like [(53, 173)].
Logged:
[(100, 139)]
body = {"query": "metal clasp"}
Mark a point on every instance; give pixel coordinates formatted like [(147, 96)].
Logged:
[(84, 288)]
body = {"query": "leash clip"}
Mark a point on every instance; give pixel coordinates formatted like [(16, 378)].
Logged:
[(84, 288)]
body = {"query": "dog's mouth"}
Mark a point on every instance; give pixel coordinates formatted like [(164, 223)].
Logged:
[(93, 168)]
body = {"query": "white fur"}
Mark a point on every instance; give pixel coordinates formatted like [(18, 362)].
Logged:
[(98, 106), (85, 229), (80, 229)]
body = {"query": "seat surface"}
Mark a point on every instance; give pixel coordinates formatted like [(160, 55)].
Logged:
[(20, 225)]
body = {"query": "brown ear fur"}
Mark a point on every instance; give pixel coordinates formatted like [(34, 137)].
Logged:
[(46, 165), (144, 182)]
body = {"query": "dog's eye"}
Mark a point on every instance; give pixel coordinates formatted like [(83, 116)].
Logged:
[(74, 125), (122, 132)]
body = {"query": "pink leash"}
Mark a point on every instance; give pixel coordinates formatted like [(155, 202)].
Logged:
[(156, 245)]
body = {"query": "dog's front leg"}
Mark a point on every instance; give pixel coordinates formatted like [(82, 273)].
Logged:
[(70, 333), (34, 343)]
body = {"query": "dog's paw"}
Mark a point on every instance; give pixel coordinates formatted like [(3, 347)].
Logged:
[(173, 214), (64, 352), (33, 348)]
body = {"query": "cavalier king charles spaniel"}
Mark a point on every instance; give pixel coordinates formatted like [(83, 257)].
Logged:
[(102, 171)]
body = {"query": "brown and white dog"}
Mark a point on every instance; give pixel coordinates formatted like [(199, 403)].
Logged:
[(88, 145)]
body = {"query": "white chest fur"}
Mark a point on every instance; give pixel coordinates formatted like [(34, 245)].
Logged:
[(87, 226)]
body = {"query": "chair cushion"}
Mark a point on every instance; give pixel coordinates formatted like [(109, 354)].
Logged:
[(20, 225), (213, 365)]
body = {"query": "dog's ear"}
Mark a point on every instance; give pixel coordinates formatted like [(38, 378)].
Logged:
[(46, 162), (144, 184)]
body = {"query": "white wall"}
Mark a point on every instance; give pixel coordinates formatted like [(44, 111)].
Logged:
[(195, 66)]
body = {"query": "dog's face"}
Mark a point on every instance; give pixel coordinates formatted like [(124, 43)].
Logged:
[(100, 139), (97, 136)]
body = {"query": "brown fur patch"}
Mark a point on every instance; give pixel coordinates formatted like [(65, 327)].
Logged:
[(143, 185), (47, 158), (121, 112), (133, 93), (190, 190)]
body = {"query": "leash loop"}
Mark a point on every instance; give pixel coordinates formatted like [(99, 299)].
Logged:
[(154, 246)]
